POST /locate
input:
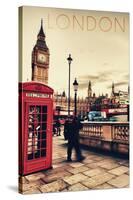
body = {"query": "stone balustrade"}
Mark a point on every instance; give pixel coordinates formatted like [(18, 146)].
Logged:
[(108, 136)]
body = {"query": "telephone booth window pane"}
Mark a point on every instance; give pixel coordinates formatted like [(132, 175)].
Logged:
[(43, 135), (37, 154), (37, 117), (38, 109), (29, 145), (31, 128), (31, 109), (30, 156), (43, 153), (38, 135), (44, 109), (44, 126), (43, 144), (44, 117), (37, 145), (37, 126), (30, 149)]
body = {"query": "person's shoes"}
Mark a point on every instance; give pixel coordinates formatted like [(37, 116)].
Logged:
[(69, 160), (81, 158)]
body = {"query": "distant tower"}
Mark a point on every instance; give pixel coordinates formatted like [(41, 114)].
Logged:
[(128, 89), (89, 89), (113, 89), (94, 95), (63, 94), (40, 58), (106, 95)]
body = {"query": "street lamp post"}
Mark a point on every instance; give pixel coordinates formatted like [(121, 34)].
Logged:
[(128, 113), (69, 62), (75, 85)]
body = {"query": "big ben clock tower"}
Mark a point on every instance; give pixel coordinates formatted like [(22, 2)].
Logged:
[(40, 58)]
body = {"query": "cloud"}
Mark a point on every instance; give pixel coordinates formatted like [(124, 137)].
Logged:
[(105, 64), (83, 86), (119, 84), (126, 76), (87, 78), (102, 77), (98, 78)]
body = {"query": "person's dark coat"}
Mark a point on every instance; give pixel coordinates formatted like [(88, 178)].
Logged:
[(67, 129), (74, 128), (73, 139)]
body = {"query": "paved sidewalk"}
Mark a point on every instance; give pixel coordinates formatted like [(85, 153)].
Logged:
[(97, 171)]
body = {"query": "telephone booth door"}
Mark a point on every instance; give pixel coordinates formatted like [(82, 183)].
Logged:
[(37, 134)]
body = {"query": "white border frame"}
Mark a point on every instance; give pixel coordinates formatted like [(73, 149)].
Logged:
[(8, 91)]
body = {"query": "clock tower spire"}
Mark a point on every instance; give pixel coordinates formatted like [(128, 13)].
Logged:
[(89, 89), (41, 35), (40, 58)]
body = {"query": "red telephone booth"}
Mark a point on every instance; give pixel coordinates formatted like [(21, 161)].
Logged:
[(35, 127)]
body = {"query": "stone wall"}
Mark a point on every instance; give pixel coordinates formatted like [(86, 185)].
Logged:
[(108, 136)]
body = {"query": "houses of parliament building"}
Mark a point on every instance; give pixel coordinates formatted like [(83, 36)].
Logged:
[(83, 104)]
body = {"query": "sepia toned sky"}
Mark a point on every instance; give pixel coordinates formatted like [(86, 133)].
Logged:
[(97, 41)]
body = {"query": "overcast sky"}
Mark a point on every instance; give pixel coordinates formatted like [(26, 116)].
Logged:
[(102, 57)]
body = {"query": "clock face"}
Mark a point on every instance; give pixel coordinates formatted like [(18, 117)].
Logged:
[(41, 58)]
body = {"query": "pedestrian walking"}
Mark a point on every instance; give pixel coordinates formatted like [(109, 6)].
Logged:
[(66, 129), (54, 130), (58, 125), (72, 127)]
